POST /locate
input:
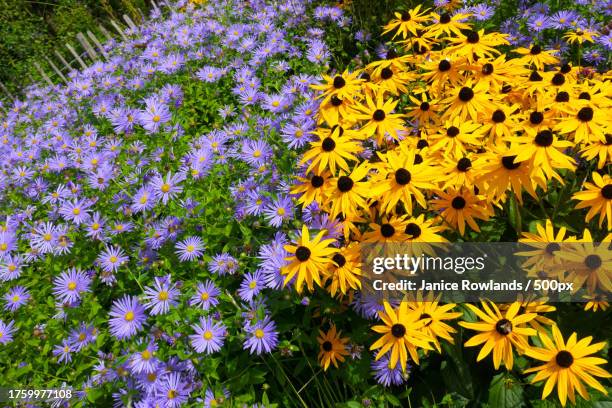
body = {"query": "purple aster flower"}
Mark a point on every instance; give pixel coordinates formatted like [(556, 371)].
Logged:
[(594, 56), (389, 376), (212, 401), (172, 392), (10, 267), (143, 199), (251, 285), (155, 114), (111, 259), (8, 243), (317, 52), (127, 316), (63, 352), (7, 331), (256, 152), (44, 238), (15, 298), (69, 285), (223, 264), (606, 41), (262, 336), (161, 296), (209, 74), (167, 188), (538, 22), (82, 336), (144, 361), (561, 19), (482, 12), (279, 210), (206, 295), (190, 249), (208, 337)]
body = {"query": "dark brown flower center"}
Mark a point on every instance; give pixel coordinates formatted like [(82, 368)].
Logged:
[(386, 73), (418, 159), (509, 163), (302, 253), (562, 97), (422, 143), (387, 230), (444, 66), (328, 144), (402, 177), (564, 359), (464, 164), (452, 131), (424, 106), (504, 327), (472, 37), (466, 94), (535, 76), (585, 96), (552, 247), (585, 114), (339, 259), (487, 69), (498, 116), (327, 346), (339, 82), (593, 261), (335, 101), (445, 18), (535, 50), (345, 184), (566, 68), (317, 181), (606, 192), (379, 115), (398, 330), (558, 79), (405, 16), (458, 203), (544, 138), (536, 118), (413, 230)]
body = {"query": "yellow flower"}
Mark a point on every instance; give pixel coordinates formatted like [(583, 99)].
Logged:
[(402, 335), (597, 196), (568, 365), (499, 332), (332, 347), (309, 259)]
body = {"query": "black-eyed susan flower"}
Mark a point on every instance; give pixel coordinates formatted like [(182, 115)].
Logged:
[(378, 117), (545, 150), (467, 101), (435, 314), (597, 197), (581, 35), (568, 365), (602, 150), (347, 192), (536, 56), (460, 207), (587, 124), (312, 187), (499, 172), (331, 151), (344, 271), (407, 22), (451, 25), (400, 179), (499, 333), (476, 44), (309, 259), (588, 264), (402, 335), (332, 347), (455, 137), (342, 86)]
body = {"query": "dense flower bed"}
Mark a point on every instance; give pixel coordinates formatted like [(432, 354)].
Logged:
[(182, 223)]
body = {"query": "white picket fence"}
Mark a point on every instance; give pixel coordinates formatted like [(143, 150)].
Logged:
[(92, 50)]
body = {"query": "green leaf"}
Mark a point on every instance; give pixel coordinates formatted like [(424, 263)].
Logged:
[(505, 392)]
